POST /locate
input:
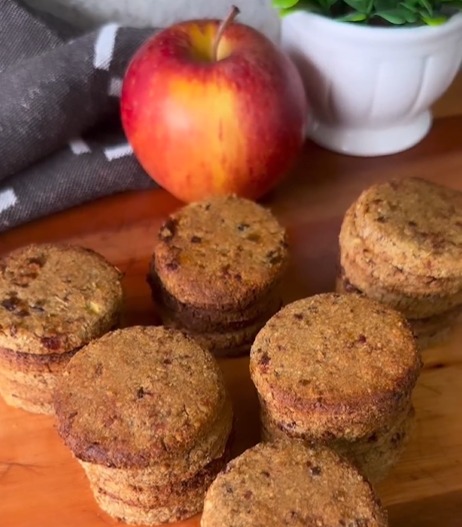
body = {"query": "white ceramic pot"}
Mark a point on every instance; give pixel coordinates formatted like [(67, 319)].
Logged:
[(371, 88)]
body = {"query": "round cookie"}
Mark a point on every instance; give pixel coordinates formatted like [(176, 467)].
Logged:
[(146, 503), (167, 388), (418, 224), (428, 331), (284, 483), (27, 381), (224, 343), (56, 298), (374, 454), (335, 366), (414, 296), (145, 408), (433, 331), (374, 263), (53, 300), (213, 319), (412, 306), (223, 253)]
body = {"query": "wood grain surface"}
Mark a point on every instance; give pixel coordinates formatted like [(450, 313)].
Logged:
[(41, 485)]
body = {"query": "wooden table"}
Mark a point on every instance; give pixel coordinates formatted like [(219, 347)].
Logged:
[(40, 483)]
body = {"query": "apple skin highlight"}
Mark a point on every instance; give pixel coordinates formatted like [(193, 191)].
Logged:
[(202, 127)]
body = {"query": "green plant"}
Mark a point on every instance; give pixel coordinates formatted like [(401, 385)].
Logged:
[(377, 12)]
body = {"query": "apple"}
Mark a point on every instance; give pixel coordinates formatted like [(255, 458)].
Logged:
[(213, 108)]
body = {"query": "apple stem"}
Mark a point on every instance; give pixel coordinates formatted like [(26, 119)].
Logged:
[(222, 28)]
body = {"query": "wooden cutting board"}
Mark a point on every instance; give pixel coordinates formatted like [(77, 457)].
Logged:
[(41, 485)]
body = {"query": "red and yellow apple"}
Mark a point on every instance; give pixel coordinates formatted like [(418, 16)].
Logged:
[(213, 108)]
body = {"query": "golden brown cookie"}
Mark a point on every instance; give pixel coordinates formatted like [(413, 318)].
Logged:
[(374, 455), (415, 296), (377, 264), (284, 483), (27, 381), (377, 454), (53, 300), (56, 298), (435, 330), (213, 319), (428, 331), (146, 503), (223, 253), (145, 409), (411, 306), (227, 342), (418, 225), (335, 366)]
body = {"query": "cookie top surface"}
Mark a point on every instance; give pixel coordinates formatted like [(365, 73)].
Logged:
[(335, 354), (138, 395), (56, 298), (417, 224), (220, 253), (284, 483)]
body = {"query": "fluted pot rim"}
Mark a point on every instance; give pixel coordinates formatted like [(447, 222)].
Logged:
[(376, 34)]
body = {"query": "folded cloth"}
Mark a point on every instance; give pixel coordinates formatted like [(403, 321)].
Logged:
[(61, 142)]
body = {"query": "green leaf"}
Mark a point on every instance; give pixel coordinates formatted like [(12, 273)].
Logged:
[(322, 4), (325, 5), (409, 16), (427, 6), (358, 5), (384, 5), (370, 6), (392, 12), (410, 7), (352, 17), (434, 21), (393, 16), (307, 5), (284, 4)]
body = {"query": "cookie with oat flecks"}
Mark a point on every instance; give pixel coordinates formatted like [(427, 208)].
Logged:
[(53, 300), (374, 454), (222, 253), (370, 272), (216, 271), (285, 483), (231, 341), (335, 368), (416, 223), (400, 244), (213, 319), (428, 331), (146, 412)]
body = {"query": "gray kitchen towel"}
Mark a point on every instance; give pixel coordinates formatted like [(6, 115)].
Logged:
[(61, 142)]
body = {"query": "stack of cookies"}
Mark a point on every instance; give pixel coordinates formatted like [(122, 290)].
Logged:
[(53, 300), (145, 411), (284, 483), (401, 244), (338, 370), (216, 271)]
